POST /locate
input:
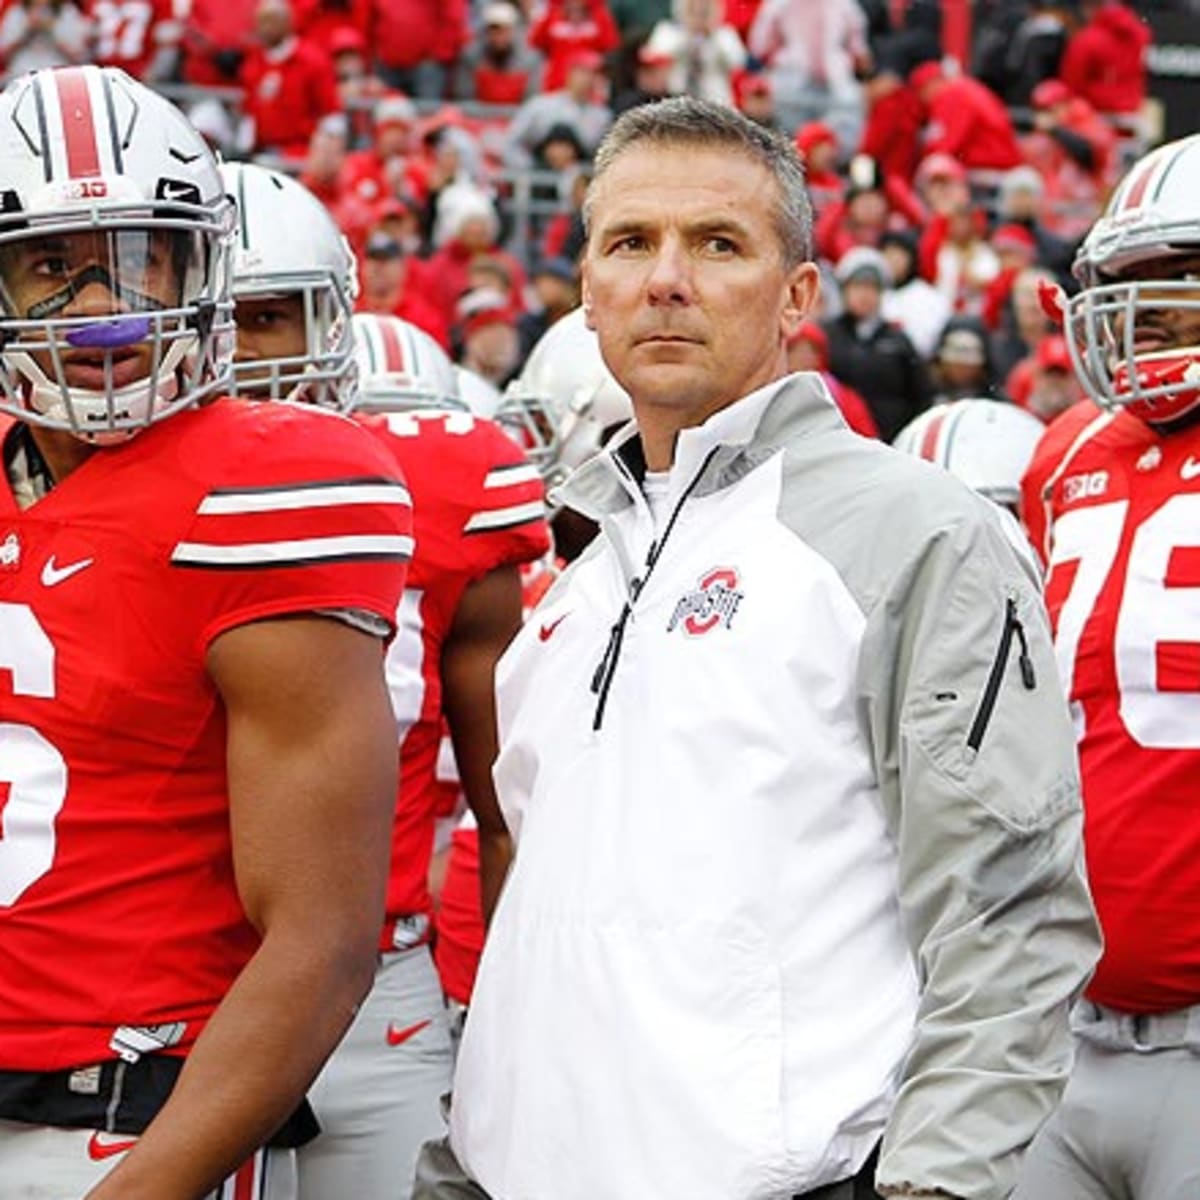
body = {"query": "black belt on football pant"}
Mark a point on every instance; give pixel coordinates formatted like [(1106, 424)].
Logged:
[(117, 1096)]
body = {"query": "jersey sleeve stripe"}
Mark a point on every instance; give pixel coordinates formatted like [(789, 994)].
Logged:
[(257, 500), (295, 553), (505, 518), (511, 475)]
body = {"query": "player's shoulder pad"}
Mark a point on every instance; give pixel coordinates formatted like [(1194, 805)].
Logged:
[(249, 443)]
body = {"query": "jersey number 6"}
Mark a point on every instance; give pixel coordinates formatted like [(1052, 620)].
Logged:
[(32, 771)]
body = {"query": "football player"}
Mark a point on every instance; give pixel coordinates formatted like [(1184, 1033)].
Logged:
[(563, 406), (478, 515), (1112, 499), (197, 762)]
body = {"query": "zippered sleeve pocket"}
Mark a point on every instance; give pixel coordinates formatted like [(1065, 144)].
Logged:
[(1013, 634)]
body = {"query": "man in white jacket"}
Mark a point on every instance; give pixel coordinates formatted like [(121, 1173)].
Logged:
[(798, 884)]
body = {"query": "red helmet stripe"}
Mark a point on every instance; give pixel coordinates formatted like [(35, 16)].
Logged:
[(79, 130), (1137, 189), (929, 441), (393, 352)]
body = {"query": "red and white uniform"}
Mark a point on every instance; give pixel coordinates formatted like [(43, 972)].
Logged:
[(460, 924), (1114, 508), (129, 33), (118, 903), (478, 506)]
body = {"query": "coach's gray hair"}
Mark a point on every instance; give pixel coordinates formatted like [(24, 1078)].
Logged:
[(686, 121)]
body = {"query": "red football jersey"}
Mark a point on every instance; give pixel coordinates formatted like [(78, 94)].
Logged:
[(1115, 509), (477, 505), (128, 33), (460, 905), (118, 904)]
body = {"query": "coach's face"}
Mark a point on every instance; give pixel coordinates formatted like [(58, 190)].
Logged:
[(685, 283)]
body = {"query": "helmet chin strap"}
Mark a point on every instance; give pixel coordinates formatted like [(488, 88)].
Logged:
[(53, 305)]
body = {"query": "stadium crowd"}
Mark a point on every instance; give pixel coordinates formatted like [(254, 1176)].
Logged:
[(452, 141)]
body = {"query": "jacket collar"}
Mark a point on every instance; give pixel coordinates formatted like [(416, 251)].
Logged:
[(731, 443)]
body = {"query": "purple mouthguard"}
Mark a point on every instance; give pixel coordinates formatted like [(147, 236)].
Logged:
[(109, 335)]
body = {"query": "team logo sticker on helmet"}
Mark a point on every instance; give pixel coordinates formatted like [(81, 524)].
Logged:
[(714, 602)]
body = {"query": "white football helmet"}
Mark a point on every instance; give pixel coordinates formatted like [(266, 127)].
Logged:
[(564, 400), (988, 444), (115, 243), (1118, 325), (400, 367), (480, 395), (289, 245)]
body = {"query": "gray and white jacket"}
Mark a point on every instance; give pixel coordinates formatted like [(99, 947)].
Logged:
[(798, 866)]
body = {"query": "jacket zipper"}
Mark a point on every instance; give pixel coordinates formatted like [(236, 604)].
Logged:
[(991, 692), (602, 677)]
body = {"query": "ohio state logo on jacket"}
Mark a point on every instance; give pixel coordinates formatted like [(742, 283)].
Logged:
[(714, 602)]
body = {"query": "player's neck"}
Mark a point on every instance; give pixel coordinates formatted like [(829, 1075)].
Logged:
[(62, 451)]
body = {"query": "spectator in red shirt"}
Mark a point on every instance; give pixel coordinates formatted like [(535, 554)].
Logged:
[(498, 67), (139, 36), (467, 228), (956, 256), (320, 20), (895, 116), (1105, 60), (651, 80), (359, 89), (390, 284), (873, 206), (417, 43), (965, 119), (818, 147), (808, 350), (390, 165), (216, 38), (289, 84), (754, 97), (323, 175), (1044, 383), (1016, 249), (487, 331), (568, 26), (1074, 149)]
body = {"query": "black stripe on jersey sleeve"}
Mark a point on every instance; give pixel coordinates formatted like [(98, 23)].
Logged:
[(309, 484), (270, 564), (533, 522)]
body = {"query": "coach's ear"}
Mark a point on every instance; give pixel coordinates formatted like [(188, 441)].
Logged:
[(802, 288)]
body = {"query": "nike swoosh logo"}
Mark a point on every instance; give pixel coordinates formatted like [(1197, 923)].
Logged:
[(99, 1147), (546, 632), (397, 1036), (1190, 468), (52, 574)]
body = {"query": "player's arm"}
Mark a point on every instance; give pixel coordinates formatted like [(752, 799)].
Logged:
[(312, 786), (486, 620)]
